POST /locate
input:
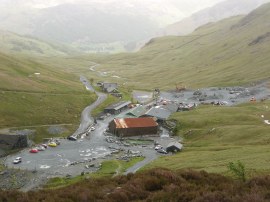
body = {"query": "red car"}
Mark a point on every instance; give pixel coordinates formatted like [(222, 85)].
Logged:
[(33, 151)]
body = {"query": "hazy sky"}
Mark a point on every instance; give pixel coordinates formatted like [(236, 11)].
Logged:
[(164, 11), (179, 3), (186, 6)]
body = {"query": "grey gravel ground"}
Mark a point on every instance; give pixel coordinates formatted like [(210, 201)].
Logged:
[(228, 95)]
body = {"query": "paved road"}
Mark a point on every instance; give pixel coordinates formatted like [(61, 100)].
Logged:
[(91, 149), (57, 161), (150, 155), (86, 119)]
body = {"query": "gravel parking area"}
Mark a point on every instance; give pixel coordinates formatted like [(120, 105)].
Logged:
[(223, 95)]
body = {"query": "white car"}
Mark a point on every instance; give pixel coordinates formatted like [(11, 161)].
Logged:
[(162, 151), (40, 148), (158, 147), (92, 128), (17, 160)]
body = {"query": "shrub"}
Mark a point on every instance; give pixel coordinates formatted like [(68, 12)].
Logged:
[(238, 169)]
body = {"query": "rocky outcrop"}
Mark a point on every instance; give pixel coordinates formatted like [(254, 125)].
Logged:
[(13, 141)]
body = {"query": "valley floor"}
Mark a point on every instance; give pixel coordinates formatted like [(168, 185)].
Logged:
[(213, 136)]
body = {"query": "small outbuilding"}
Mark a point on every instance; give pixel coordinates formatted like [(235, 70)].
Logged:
[(109, 87), (174, 147), (117, 108), (133, 127)]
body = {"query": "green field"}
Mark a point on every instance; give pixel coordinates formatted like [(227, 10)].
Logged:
[(34, 94), (30, 109), (214, 136)]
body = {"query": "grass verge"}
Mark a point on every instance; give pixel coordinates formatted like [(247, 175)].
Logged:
[(214, 136), (108, 169)]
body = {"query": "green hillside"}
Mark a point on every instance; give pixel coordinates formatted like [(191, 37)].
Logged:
[(226, 134), (25, 74), (34, 94), (17, 44), (230, 52)]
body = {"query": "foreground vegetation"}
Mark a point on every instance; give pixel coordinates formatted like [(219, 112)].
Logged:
[(215, 135), (108, 169), (154, 185)]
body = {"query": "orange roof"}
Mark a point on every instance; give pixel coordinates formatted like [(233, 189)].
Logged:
[(135, 123)]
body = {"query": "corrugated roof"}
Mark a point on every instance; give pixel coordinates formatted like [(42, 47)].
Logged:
[(135, 123), (132, 113), (172, 107), (118, 105), (137, 111), (111, 89), (107, 85), (176, 144), (159, 113)]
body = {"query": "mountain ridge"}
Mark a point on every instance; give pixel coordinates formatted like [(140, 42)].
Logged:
[(18, 44), (215, 13), (216, 54)]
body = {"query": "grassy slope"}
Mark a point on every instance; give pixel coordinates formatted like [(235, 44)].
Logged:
[(226, 134), (18, 73), (53, 97), (17, 44), (216, 54)]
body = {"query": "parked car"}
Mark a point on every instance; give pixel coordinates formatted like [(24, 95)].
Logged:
[(34, 150), (158, 147), (40, 148), (72, 138), (162, 151), (17, 160), (92, 128), (52, 144), (45, 146)]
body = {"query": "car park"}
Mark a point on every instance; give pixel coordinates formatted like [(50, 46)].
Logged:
[(17, 160)]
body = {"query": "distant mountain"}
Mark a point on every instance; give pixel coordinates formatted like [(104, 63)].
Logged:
[(92, 25), (83, 26), (233, 51), (18, 44), (213, 14)]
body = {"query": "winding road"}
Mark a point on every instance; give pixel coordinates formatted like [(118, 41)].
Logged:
[(87, 121), (86, 118)]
